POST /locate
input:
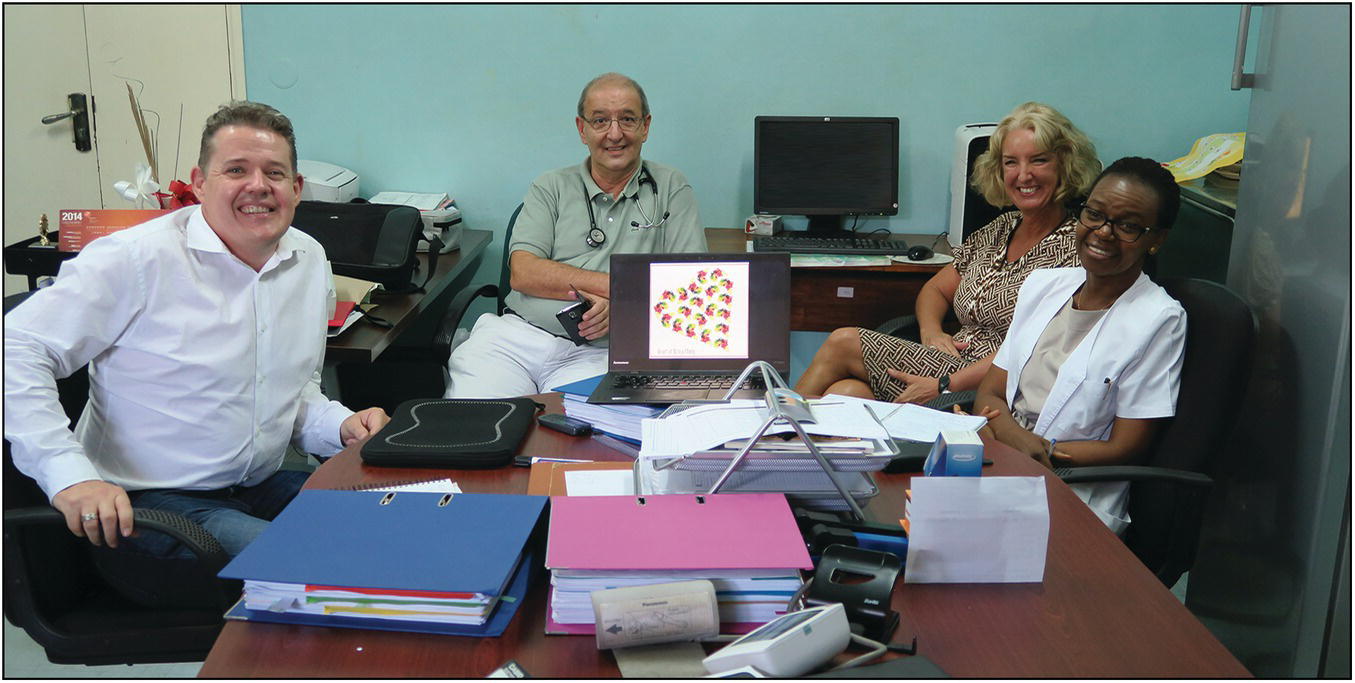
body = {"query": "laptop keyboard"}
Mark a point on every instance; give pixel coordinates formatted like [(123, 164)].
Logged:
[(686, 382)]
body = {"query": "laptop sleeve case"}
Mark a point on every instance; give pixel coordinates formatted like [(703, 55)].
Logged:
[(460, 433)]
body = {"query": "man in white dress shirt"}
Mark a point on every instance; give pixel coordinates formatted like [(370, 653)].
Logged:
[(204, 332)]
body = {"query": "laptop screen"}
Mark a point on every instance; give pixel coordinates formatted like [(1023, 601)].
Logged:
[(699, 312)]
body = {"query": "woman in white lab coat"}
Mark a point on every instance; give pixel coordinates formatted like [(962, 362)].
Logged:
[(1092, 361)]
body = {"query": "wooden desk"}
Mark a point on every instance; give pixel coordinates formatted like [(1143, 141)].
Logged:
[(1098, 613), (817, 301), (363, 342)]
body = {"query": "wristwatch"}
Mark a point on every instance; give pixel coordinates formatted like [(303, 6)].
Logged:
[(943, 384)]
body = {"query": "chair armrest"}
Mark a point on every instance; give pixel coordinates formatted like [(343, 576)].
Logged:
[(457, 310), (202, 544), (964, 399), (1076, 475), (904, 326)]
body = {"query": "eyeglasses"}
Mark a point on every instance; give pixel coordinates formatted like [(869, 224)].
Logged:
[(628, 124), (1095, 220)]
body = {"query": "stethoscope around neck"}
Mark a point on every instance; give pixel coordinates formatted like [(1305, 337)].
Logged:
[(596, 236)]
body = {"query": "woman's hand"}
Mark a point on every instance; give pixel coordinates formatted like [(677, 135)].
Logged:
[(916, 388), (986, 431), (943, 342)]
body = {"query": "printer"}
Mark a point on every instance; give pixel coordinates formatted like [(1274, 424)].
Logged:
[(327, 182)]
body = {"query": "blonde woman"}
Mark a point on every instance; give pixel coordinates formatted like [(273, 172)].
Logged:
[(1037, 162)]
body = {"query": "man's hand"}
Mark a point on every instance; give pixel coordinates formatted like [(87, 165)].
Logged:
[(596, 320), (943, 342), (96, 510), (361, 425), (916, 388)]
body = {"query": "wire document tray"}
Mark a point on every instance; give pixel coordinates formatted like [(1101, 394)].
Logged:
[(801, 466)]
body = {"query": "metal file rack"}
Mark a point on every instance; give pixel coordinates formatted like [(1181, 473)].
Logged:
[(777, 414)]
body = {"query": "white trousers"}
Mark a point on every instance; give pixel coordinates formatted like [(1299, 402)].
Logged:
[(506, 356)]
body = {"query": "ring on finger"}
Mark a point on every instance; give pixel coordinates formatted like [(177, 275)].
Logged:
[(89, 516)]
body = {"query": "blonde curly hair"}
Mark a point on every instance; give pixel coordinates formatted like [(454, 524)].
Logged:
[(1054, 133)]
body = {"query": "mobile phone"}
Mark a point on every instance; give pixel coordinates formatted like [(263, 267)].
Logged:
[(572, 315), (567, 425)]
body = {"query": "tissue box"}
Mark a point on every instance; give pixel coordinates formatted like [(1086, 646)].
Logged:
[(762, 225), (955, 454)]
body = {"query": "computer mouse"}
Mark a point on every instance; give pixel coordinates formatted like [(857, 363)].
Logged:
[(919, 253)]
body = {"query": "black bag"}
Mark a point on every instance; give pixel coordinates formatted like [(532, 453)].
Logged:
[(373, 242), (464, 433)]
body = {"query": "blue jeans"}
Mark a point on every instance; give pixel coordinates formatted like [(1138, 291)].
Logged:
[(235, 516)]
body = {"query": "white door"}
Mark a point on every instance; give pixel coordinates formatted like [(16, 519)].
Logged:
[(182, 61)]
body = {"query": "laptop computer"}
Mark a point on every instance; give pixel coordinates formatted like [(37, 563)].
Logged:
[(683, 326)]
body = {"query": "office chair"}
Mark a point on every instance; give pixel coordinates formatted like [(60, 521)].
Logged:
[(418, 371), (1167, 494), (87, 605)]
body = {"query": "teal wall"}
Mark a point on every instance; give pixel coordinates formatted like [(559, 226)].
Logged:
[(478, 100)]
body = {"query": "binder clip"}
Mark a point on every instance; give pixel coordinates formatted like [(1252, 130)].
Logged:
[(839, 579)]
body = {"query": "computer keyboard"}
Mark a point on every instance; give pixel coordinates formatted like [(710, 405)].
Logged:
[(828, 245), (685, 382)]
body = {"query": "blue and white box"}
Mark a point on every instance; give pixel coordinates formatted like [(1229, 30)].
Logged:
[(955, 454)]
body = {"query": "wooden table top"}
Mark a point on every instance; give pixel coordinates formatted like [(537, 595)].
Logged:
[(1098, 613)]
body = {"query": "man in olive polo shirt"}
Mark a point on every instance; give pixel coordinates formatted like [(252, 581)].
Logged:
[(573, 219)]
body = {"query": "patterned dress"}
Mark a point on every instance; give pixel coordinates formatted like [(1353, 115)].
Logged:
[(984, 302)]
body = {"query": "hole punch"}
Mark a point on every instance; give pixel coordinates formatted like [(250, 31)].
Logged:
[(700, 500), (444, 500), (386, 499), (640, 500)]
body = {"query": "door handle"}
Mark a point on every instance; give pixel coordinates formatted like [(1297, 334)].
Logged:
[(1242, 80), (79, 113)]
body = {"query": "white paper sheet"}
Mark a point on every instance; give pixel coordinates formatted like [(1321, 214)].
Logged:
[(600, 482), (914, 422), (704, 427), (977, 530)]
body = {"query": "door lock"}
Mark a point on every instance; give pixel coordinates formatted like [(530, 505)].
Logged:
[(79, 113)]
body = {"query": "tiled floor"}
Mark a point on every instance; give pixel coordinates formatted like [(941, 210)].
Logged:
[(25, 659)]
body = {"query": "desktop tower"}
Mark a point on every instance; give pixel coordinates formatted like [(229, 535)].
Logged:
[(968, 210)]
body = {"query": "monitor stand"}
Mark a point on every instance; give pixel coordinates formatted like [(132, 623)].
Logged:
[(828, 227)]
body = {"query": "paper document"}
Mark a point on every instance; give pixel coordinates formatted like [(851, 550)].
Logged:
[(423, 201), (600, 482), (977, 530), (352, 289), (704, 427), (838, 260), (914, 422), (435, 486)]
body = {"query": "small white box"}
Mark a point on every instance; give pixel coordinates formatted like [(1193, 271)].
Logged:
[(762, 225)]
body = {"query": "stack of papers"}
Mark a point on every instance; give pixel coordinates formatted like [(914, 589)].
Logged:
[(914, 422), (408, 561), (748, 545), (367, 603), (618, 420), (711, 429), (743, 597)]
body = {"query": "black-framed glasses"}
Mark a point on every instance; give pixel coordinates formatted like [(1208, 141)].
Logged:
[(629, 124), (1125, 231)]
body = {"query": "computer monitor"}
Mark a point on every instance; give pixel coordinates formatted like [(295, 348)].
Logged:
[(826, 168)]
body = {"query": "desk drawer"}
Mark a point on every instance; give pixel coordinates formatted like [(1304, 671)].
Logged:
[(824, 299)]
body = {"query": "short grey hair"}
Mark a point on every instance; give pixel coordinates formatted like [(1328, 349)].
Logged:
[(613, 77), (245, 113)]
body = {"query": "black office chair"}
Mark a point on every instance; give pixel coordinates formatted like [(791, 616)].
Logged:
[(417, 371), (87, 605), (1167, 494)]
